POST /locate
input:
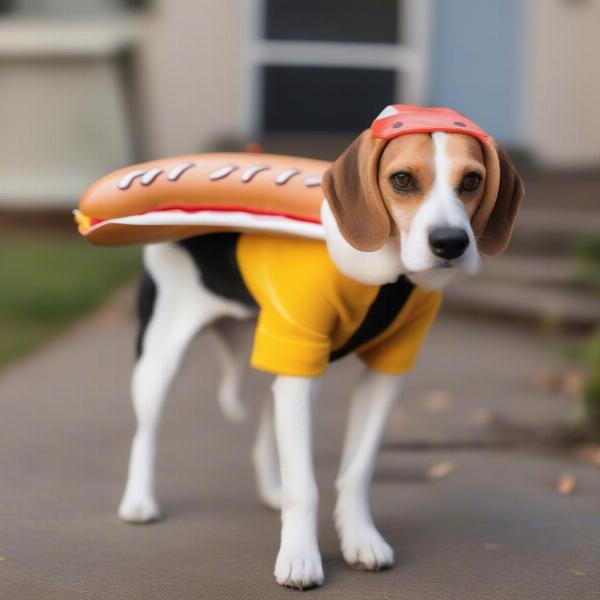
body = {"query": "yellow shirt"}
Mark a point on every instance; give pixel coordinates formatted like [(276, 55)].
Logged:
[(309, 310)]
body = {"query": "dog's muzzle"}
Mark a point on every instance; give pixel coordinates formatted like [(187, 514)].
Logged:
[(448, 242)]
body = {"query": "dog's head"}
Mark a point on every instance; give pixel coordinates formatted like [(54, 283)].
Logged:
[(421, 192)]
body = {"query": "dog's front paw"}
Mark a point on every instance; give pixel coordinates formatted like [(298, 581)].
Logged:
[(299, 570), (365, 549), (139, 510)]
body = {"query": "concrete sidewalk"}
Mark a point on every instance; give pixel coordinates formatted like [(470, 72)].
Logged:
[(494, 527)]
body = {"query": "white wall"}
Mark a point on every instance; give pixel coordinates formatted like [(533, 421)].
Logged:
[(527, 70), (63, 118), (563, 83), (191, 74)]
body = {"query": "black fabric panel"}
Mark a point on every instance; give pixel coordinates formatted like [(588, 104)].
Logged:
[(214, 255), (145, 307), (386, 306)]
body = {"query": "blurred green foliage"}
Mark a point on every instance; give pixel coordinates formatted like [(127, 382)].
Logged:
[(587, 250), (48, 280), (590, 355)]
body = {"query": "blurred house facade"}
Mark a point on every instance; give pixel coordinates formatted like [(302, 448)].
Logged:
[(525, 69), (88, 86)]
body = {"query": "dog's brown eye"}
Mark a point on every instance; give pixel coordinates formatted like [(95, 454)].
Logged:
[(403, 181), (470, 182)]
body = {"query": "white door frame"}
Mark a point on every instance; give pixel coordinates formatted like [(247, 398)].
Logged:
[(410, 59)]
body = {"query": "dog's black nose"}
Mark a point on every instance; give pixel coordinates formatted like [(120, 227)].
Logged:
[(448, 242)]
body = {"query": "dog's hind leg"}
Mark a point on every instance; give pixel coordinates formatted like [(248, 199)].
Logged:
[(266, 460), (233, 348), (362, 545), (181, 307), (233, 356)]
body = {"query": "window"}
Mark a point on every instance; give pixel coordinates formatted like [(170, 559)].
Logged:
[(323, 99), (331, 65), (334, 21)]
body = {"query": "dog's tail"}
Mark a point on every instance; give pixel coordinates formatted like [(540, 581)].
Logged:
[(232, 363)]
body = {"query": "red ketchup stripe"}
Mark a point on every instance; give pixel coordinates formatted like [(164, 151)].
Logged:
[(243, 209)]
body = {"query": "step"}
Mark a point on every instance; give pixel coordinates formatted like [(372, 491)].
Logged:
[(527, 302), (552, 231), (557, 271)]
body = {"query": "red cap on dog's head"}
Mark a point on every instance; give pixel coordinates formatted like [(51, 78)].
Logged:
[(400, 119)]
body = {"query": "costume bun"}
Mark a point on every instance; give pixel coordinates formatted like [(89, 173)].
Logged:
[(179, 197)]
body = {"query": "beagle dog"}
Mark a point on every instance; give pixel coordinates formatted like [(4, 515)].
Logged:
[(408, 207)]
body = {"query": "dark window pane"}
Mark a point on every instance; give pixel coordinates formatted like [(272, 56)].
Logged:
[(333, 20), (331, 99)]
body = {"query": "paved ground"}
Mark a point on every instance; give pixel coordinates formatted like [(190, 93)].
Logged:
[(492, 528)]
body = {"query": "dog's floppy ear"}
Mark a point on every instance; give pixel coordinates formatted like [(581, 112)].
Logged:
[(493, 221), (352, 190)]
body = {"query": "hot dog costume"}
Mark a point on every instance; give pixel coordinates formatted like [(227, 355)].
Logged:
[(251, 222)]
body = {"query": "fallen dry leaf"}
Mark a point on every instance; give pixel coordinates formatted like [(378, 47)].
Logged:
[(569, 381), (590, 454), (111, 317), (397, 423), (440, 470), (483, 417), (577, 572), (438, 401), (545, 381), (492, 546), (565, 484), (573, 381)]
